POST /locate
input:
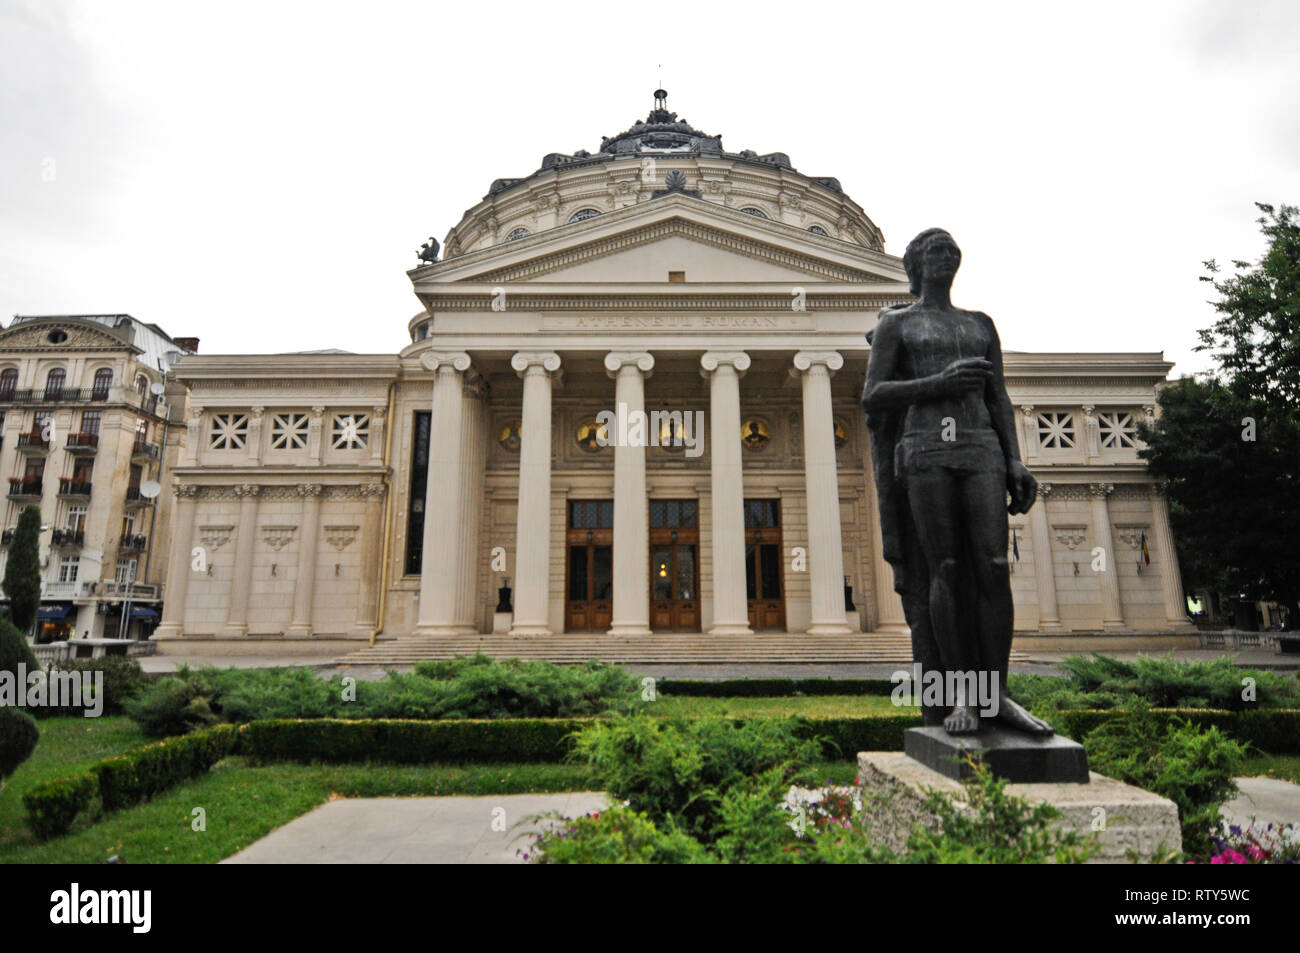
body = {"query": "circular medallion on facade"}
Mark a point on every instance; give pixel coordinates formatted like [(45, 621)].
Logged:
[(508, 437), (841, 434), (755, 434), (590, 436)]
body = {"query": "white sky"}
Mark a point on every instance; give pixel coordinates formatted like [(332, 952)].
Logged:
[(260, 174)]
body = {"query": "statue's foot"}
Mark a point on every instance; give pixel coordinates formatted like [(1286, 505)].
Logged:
[(1014, 715), (962, 720)]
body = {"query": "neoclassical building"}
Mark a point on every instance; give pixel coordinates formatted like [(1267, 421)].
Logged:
[(631, 399)]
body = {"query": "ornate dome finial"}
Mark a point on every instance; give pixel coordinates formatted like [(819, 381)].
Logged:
[(660, 113)]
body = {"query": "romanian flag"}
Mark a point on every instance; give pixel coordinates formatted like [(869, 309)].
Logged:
[(1146, 553)]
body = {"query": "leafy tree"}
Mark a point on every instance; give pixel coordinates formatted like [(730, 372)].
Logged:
[(1228, 443), (22, 579), (1256, 339)]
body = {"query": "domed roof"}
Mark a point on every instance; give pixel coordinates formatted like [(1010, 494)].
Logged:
[(661, 135)]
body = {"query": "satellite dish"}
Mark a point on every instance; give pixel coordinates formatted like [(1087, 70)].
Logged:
[(157, 388), (149, 489)]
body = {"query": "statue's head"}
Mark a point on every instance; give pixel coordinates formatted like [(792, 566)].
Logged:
[(932, 255)]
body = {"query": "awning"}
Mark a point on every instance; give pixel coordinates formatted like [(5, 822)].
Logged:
[(143, 612), (53, 612)]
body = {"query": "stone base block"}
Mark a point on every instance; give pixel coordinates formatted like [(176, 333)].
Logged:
[(1124, 817), (501, 622), (1013, 755)]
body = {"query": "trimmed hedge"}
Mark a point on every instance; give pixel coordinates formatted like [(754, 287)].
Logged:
[(527, 740), (18, 737), (776, 687), (1272, 730), (126, 779), (143, 772), (54, 805)]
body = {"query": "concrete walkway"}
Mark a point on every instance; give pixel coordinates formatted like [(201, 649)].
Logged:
[(415, 830), (1268, 800)]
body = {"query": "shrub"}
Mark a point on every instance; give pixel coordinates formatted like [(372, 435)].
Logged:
[(774, 687), (174, 705), (678, 769), (122, 680), (141, 773), (481, 687), (53, 805), (1099, 681), (617, 836), (18, 737), (1191, 766), (14, 649)]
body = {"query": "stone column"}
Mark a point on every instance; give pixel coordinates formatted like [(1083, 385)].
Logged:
[(242, 571), (889, 604), (304, 589), (531, 594), (372, 556), (178, 562), (1112, 609), (1049, 615), (443, 517), (1028, 432), (825, 546), (255, 435), (1171, 581), (727, 491), (631, 530)]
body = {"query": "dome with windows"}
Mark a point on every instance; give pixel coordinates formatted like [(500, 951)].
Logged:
[(660, 155)]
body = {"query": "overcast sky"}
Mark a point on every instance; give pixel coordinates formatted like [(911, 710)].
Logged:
[(260, 174)]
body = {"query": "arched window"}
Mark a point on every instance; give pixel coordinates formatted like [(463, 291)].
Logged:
[(54, 383), (818, 230), (8, 382), (582, 214), (756, 212), (141, 384), (103, 378), (517, 234)]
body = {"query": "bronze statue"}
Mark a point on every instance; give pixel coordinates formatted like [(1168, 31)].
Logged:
[(428, 252), (945, 458)]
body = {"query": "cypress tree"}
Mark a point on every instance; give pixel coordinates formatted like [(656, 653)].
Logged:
[(22, 579)]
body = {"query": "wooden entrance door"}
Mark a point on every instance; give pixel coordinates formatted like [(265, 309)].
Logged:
[(674, 566), (764, 586), (589, 605)]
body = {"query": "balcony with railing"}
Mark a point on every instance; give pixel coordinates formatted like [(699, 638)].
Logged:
[(134, 544), (142, 452), (136, 590), (33, 442), (25, 487), (135, 498), (50, 395), (72, 486), (68, 590), (83, 443), (67, 537)]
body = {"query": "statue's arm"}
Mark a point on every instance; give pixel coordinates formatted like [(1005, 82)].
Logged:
[(882, 390), (1001, 412)]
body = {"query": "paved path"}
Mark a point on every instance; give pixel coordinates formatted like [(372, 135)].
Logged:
[(1270, 800), (414, 830)]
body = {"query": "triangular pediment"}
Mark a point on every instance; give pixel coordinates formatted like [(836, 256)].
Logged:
[(642, 243)]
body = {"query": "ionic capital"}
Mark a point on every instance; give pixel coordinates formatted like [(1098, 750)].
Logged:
[(712, 360), (436, 360), (524, 361), (805, 361), (615, 361)]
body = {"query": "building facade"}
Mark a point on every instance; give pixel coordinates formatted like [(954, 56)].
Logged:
[(84, 436), (631, 399)]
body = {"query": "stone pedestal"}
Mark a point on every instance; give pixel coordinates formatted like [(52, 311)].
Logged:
[(1013, 755), (895, 789)]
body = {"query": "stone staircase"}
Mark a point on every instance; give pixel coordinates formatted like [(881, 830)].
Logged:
[(667, 648)]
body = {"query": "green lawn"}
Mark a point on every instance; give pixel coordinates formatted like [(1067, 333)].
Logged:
[(1284, 766), (242, 802)]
